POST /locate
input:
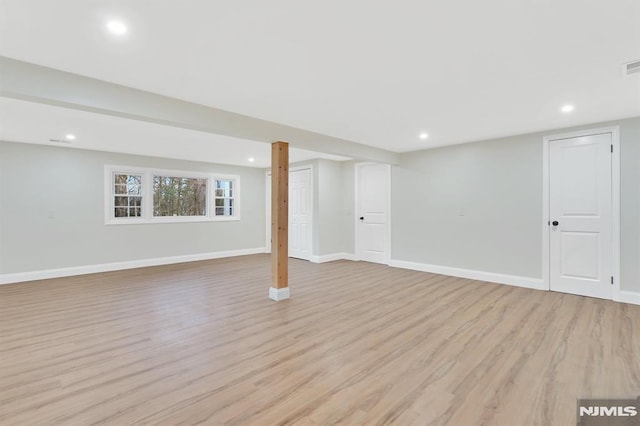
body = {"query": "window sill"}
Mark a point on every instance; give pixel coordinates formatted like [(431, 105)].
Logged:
[(171, 220)]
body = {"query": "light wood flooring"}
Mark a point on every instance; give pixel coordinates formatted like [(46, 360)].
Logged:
[(358, 343)]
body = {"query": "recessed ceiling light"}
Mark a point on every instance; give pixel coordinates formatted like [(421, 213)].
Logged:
[(251, 160), (70, 137), (117, 27), (567, 108), (424, 135)]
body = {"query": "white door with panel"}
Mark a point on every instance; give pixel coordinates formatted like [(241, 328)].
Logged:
[(580, 213), (300, 213), (300, 225), (372, 210)]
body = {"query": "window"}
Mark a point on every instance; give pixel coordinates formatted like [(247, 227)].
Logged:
[(127, 195), (179, 196), (135, 195), (224, 196)]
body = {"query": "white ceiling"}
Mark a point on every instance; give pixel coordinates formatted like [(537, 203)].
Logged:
[(29, 122), (374, 72)]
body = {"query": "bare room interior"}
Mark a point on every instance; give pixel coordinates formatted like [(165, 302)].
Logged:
[(358, 213)]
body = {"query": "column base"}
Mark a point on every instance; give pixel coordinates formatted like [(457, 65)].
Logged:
[(278, 293)]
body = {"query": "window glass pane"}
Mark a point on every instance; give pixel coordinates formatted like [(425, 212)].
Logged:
[(127, 184), (134, 189), (179, 196), (121, 201), (127, 193), (224, 207), (224, 184)]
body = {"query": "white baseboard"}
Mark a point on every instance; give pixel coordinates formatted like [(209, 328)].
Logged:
[(626, 296), (492, 277), (278, 294), (117, 266), (332, 257)]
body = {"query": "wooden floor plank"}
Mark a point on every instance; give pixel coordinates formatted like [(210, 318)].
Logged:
[(358, 343)]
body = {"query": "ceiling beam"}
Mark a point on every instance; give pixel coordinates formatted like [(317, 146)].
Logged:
[(35, 83)]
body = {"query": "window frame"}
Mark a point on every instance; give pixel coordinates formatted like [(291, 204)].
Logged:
[(147, 196)]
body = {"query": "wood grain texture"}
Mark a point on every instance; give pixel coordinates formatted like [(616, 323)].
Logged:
[(279, 215), (358, 343)]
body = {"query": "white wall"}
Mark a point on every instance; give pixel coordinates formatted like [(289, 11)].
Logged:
[(335, 207), (348, 190), (52, 212), (475, 206), (478, 206)]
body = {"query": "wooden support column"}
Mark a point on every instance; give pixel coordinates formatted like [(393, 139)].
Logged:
[(279, 221)]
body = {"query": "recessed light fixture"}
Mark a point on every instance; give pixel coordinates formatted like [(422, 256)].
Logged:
[(567, 108), (423, 136), (251, 159), (70, 137), (117, 27)]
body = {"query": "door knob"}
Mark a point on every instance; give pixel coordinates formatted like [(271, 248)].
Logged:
[(555, 223), (361, 217)]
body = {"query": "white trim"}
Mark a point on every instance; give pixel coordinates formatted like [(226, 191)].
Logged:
[(545, 214), (278, 294), (333, 257), (356, 215), (492, 277), (625, 296), (616, 211), (2, 197), (356, 212), (170, 219), (615, 200), (389, 207), (267, 242), (117, 266)]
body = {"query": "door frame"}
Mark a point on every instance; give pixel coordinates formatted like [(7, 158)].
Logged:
[(356, 199), (615, 201), (267, 213)]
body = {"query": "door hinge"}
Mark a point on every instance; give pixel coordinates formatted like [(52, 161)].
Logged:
[(611, 147), (611, 280)]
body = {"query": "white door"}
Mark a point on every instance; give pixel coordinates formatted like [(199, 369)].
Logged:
[(372, 212), (300, 214), (580, 213)]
